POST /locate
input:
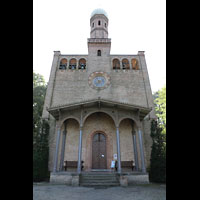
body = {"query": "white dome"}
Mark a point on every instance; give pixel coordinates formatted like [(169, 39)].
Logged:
[(99, 11)]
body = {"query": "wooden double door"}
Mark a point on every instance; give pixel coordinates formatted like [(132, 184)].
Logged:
[(99, 151)]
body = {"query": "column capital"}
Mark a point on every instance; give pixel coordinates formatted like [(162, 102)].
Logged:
[(133, 132), (58, 127), (139, 125), (139, 129)]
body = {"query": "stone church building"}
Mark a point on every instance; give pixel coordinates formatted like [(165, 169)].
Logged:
[(99, 107)]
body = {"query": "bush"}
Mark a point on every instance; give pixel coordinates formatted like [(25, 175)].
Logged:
[(40, 155), (157, 171), (40, 131)]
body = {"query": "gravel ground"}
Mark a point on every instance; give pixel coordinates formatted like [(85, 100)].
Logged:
[(46, 191)]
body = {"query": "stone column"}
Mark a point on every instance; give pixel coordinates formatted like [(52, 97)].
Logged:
[(63, 148), (56, 152), (141, 151), (134, 146), (130, 63), (120, 64), (118, 151), (135, 150), (79, 151)]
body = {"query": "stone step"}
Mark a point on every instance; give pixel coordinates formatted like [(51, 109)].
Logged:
[(90, 176), (98, 174), (99, 179), (99, 184)]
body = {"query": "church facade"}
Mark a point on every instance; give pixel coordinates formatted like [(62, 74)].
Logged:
[(99, 106)]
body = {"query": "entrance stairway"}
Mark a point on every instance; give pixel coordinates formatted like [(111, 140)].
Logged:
[(99, 179)]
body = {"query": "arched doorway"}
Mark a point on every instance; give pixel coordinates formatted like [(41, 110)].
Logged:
[(93, 123), (99, 151)]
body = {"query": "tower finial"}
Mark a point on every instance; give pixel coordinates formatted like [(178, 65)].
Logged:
[(99, 11)]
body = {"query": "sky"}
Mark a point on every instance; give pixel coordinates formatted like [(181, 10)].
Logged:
[(134, 25)]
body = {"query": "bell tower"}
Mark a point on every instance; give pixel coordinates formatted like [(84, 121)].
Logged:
[(99, 24), (99, 44)]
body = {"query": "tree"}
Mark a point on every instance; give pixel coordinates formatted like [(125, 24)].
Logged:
[(40, 130), (157, 172), (38, 80), (160, 107), (39, 90)]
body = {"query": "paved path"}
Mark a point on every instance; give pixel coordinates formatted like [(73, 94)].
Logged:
[(62, 192)]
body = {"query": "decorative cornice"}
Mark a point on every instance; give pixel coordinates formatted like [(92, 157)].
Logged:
[(102, 100), (99, 40), (99, 28)]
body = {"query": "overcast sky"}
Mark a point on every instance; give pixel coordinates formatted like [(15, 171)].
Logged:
[(134, 25)]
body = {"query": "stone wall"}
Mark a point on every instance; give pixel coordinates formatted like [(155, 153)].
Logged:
[(126, 140), (137, 179), (147, 140), (64, 178), (131, 86), (61, 178)]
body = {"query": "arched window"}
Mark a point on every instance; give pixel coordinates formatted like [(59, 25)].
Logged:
[(116, 64), (72, 63), (82, 63), (63, 64), (92, 24), (125, 64), (99, 22), (105, 24), (99, 53), (134, 63)]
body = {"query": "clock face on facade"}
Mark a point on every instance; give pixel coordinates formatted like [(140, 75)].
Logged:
[(99, 80)]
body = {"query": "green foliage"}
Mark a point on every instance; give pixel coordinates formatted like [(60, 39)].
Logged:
[(157, 171), (38, 80), (160, 107), (40, 131), (40, 154), (39, 90)]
